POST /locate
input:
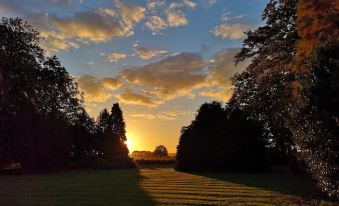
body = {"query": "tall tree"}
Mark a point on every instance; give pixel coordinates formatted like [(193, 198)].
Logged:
[(118, 123), (111, 134), (263, 89), (38, 102), (315, 104)]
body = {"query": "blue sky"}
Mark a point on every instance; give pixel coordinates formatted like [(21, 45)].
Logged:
[(160, 59)]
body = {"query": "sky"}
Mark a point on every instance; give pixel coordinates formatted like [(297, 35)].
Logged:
[(159, 59)]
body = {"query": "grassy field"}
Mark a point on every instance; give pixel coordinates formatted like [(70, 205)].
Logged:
[(154, 186)]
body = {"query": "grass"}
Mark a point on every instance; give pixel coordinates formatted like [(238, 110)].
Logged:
[(155, 186)]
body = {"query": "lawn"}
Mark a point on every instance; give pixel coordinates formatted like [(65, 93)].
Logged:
[(155, 186)]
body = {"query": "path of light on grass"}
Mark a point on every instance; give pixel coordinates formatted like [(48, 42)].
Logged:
[(170, 187), (151, 186)]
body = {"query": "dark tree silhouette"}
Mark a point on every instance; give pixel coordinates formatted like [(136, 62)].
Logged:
[(263, 90), (118, 123), (39, 101), (221, 140), (314, 110), (160, 151), (111, 134)]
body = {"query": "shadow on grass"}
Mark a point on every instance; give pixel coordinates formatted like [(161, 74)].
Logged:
[(281, 182), (82, 187)]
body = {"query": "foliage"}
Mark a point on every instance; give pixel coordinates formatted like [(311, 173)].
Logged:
[(291, 83), (111, 134), (221, 140), (314, 118), (160, 151), (263, 89), (314, 110), (39, 101)]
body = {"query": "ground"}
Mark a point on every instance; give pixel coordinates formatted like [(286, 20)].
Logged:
[(155, 186)]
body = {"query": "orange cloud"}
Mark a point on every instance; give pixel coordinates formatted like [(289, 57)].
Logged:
[(129, 97), (176, 18), (97, 90), (230, 31), (156, 23), (114, 57), (171, 77), (147, 54)]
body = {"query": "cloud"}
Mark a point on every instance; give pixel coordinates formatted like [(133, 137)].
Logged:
[(147, 54), (168, 115), (184, 74), (210, 2), (81, 27), (221, 69), (91, 26), (173, 13), (130, 13), (176, 18), (129, 97), (115, 57), (106, 12), (228, 17), (155, 23), (220, 94), (190, 4), (184, 3), (174, 76), (230, 31), (154, 5), (97, 90)]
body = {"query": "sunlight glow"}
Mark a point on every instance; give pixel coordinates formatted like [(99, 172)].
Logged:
[(131, 142)]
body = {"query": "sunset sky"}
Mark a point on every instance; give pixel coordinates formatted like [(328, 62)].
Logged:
[(160, 59)]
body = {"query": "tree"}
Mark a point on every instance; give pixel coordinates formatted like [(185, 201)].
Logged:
[(263, 89), (39, 101), (221, 140), (314, 111), (110, 133), (118, 123), (160, 151)]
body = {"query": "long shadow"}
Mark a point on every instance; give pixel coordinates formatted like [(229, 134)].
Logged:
[(82, 187), (281, 182)]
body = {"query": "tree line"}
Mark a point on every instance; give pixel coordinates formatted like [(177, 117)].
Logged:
[(43, 123), (285, 104)]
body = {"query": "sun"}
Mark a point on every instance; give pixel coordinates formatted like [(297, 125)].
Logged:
[(129, 144), (131, 141)]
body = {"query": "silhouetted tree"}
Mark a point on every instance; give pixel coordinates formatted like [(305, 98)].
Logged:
[(221, 140), (38, 103), (111, 134), (160, 151), (314, 110), (83, 139), (118, 123), (263, 89)]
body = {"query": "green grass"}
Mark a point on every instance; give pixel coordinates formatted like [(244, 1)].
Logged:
[(155, 186)]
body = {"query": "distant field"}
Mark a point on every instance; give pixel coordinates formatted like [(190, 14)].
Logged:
[(154, 186)]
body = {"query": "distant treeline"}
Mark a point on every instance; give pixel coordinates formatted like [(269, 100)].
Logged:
[(43, 123), (285, 104)]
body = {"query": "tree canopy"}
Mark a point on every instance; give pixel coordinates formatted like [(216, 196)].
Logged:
[(221, 140), (160, 151)]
